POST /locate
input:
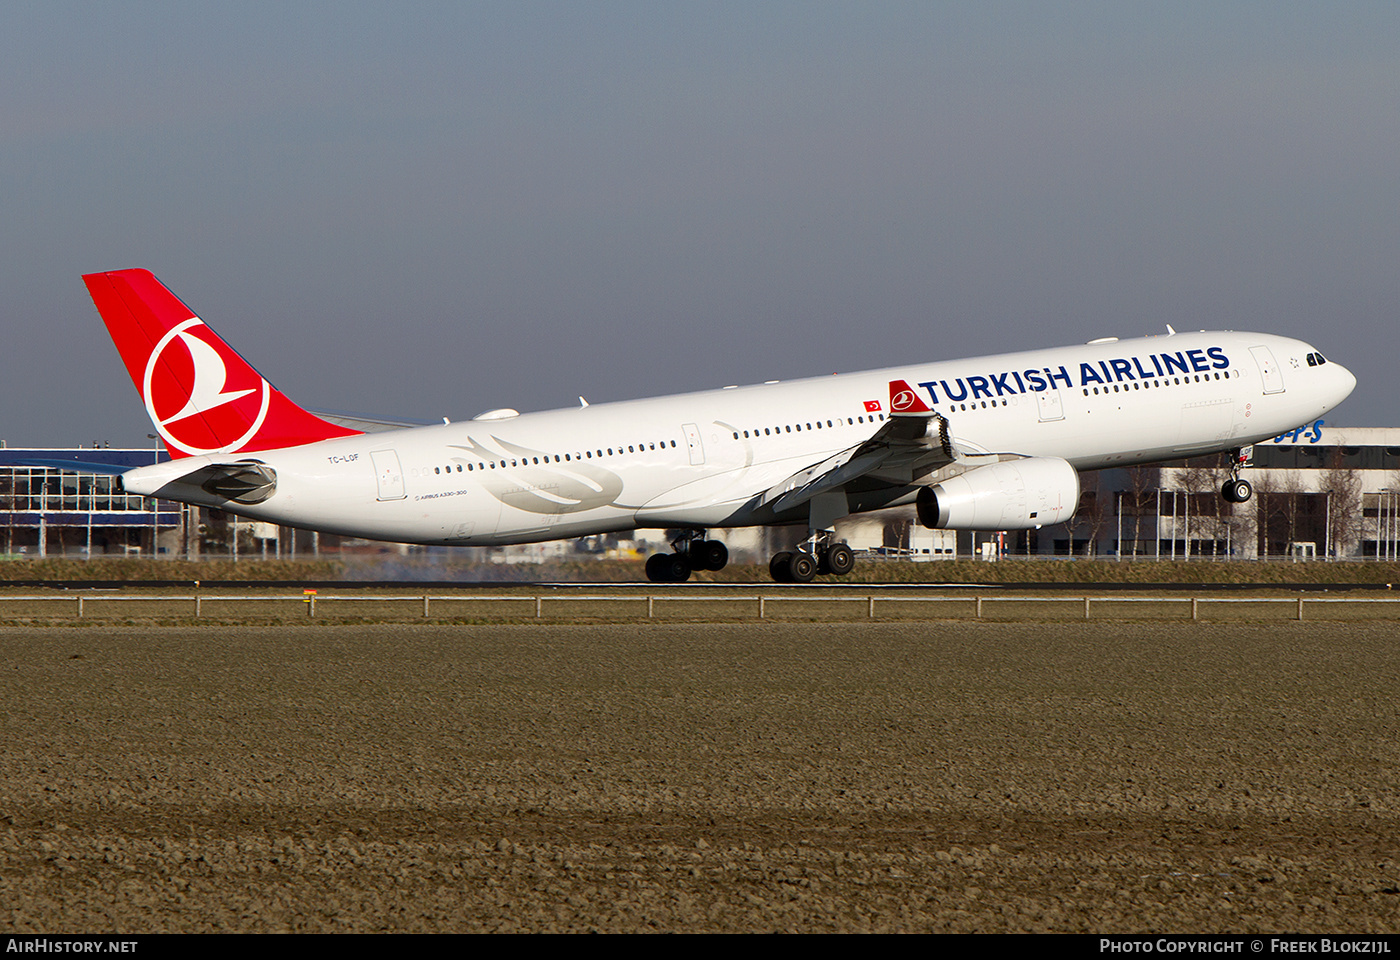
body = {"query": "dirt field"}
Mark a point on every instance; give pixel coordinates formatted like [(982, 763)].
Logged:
[(1100, 777)]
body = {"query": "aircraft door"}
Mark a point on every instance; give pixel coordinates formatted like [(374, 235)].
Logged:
[(692, 442), (1269, 371), (1049, 404), (388, 474)]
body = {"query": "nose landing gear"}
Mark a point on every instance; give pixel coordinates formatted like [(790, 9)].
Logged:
[(1237, 490)]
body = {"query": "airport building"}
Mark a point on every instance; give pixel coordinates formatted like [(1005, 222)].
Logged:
[(49, 511), (1319, 492)]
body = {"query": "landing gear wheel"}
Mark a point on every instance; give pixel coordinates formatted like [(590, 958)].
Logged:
[(778, 567), (667, 568), (1236, 491), (677, 568), (802, 567), (709, 555), (840, 559)]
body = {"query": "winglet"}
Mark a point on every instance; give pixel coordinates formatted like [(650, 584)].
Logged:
[(903, 399), (202, 397)]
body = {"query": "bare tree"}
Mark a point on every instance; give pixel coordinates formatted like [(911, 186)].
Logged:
[(1293, 489), (1140, 480), (1093, 510), (1345, 517), (1202, 479)]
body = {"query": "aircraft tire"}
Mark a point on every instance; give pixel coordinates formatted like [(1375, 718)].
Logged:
[(710, 555), (656, 568), (840, 559), (802, 567), (778, 567), (677, 568), (1236, 491)]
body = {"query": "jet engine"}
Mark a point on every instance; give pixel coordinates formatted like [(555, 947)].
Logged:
[(1011, 495)]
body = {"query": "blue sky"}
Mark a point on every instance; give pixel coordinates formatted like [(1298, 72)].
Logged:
[(435, 209)]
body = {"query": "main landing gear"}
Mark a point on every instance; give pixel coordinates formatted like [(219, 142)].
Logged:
[(1237, 490), (692, 552), (817, 555)]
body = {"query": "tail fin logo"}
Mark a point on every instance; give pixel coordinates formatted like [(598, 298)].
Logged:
[(189, 397), (903, 399)]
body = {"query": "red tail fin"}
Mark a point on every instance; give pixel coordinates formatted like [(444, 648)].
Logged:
[(200, 394)]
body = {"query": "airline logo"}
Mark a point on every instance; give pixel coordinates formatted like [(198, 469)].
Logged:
[(1090, 374), (193, 399), (903, 399), (201, 396)]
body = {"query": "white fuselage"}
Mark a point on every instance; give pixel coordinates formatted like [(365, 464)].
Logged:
[(704, 459)]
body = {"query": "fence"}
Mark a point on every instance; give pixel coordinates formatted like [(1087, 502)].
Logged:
[(619, 607)]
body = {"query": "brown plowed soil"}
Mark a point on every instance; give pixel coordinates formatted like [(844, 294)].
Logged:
[(914, 777)]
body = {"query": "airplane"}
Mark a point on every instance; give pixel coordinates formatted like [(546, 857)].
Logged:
[(988, 443)]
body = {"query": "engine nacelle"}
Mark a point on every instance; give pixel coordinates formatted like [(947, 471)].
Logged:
[(1011, 495)]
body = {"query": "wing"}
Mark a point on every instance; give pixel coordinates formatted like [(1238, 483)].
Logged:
[(906, 447)]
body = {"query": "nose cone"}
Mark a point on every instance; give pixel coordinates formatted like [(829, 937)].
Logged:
[(1346, 382), (1343, 382)]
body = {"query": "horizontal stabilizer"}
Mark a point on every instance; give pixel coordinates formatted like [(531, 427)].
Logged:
[(211, 484), (78, 466), (367, 424)]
